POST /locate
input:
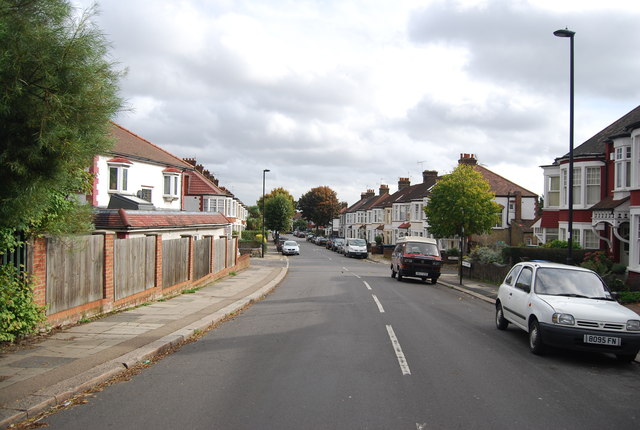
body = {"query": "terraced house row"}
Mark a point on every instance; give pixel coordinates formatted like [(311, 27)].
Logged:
[(393, 216)]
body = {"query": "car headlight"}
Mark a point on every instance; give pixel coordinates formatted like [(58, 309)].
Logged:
[(407, 260), (564, 319), (633, 325)]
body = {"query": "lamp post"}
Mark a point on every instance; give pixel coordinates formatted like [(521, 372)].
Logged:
[(569, 34), (264, 172)]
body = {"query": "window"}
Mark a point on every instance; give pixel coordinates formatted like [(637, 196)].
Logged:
[(513, 274), (171, 185), (593, 185), (623, 167), (145, 194), (564, 187), (591, 241), (118, 177), (524, 280), (553, 191), (551, 234), (577, 186)]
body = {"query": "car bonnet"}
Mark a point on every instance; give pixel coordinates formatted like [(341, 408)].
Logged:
[(590, 309)]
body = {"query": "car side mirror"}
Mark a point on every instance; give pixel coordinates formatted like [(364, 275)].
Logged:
[(615, 295)]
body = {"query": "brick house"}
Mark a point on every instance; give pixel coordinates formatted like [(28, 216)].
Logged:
[(606, 194)]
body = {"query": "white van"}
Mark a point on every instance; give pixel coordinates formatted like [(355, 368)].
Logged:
[(355, 248)]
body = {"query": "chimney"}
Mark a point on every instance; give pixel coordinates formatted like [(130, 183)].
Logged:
[(403, 183), (370, 193), (191, 161), (469, 159), (384, 189), (429, 176), (363, 196)]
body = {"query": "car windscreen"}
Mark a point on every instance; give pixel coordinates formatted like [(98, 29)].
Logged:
[(357, 242), (291, 243), (422, 248), (568, 282)]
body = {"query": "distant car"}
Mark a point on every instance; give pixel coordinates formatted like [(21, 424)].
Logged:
[(321, 241), (337, 244), (417, 257), (310, 238), (355, 248), (567, 307), (290, 247), (279, 243)]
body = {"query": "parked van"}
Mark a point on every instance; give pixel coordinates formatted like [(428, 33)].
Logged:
[(416, 257), (355, 248)]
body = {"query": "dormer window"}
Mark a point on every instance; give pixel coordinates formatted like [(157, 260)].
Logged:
[(118, 174), (171, 183)]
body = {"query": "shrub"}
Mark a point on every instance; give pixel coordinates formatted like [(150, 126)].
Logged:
[(486, 255), (560, 244), (629, 296), (598, 261), (19, 314), (454, 252)]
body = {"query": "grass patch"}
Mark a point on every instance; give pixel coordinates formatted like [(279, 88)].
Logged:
[(190, 291)]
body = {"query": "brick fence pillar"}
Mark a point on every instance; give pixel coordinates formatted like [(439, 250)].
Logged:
[(38, 269), (158, 280), (108, 289)]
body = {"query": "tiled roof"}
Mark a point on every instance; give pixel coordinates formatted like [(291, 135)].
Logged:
[(501, 186), (131, 145), (608, 204), (200, 185), (122, 219)]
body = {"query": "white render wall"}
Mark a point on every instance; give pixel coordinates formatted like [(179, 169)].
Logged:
[(140, 174)]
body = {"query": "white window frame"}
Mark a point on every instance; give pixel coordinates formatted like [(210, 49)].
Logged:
[(122, 177), (173, 180)]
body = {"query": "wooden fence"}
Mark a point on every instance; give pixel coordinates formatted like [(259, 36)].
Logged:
[(201, 257), (133, 265), (175, 261), (74, 272), (90, 275)]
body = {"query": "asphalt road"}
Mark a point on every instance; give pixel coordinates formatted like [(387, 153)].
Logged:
[(342, 345)]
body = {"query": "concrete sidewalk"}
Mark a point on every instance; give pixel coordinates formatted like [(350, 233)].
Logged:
[(64, 364)]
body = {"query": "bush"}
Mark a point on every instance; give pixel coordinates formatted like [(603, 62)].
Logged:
[(251, 234), (19, 314), (453, 252), (560, 244), (486, 255), (598, 261), (629, 296)]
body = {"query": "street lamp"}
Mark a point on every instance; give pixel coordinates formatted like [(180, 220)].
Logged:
[(264, 172), (570, 34)]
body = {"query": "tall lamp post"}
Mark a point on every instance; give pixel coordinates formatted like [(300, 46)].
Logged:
[(264, 172), (570, 34)]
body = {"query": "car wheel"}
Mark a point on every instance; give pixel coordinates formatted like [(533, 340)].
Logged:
[(434, 280), (535, 339), (399, 276), (393, 272), (501, 322), (626, 358)]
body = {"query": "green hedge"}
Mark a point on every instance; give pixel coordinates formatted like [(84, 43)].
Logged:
[(515, 254)]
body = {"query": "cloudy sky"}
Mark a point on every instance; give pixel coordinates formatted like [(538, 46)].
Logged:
[(356, 93)]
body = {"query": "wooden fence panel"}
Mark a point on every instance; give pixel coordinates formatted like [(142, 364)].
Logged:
[(133, 265), (231, 254), (219, 255), (74, 272), (175, 261), (201, 257)]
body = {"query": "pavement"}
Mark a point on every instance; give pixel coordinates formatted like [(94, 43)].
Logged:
[(47, 372), (50, 371)]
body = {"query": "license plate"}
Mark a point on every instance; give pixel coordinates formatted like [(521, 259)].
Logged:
[(602, 340), (422, 274)]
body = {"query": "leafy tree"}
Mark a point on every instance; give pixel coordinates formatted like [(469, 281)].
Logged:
[(461, 203), (275, 192), (254, 220), (278, 211), (319, 205), (300, 224), (58, 93)]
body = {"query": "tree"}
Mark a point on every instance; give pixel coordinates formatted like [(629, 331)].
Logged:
[(319, 205), (58, 94), (462, 204), (254, 221), (278, 212), (275, 192), (300, 224)]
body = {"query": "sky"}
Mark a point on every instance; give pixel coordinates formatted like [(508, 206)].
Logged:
[(352, 94)]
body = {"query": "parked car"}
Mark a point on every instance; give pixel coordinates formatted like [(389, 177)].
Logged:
[(355, 248), (567, 307), (417, 257), (279, 243), (310, 237), (321, 240), (329, 243), (290, 247), (337, 244)]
